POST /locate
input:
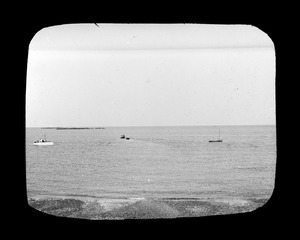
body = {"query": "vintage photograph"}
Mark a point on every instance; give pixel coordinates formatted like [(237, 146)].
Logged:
[(150, 121)]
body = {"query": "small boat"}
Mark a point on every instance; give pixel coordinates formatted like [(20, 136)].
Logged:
[(122, 136), (127, 138), (218, 140), (42, 142)]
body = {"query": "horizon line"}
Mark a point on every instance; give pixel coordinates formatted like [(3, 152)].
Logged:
[(205, 125)]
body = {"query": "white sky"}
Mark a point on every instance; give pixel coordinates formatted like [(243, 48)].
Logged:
[(150, 75)]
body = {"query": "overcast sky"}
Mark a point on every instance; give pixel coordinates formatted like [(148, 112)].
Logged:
[(150, 75)]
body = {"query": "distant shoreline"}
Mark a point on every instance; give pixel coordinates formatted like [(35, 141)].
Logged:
[(72, 128)]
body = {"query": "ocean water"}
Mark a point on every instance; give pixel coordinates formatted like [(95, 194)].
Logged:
[(160, 162)]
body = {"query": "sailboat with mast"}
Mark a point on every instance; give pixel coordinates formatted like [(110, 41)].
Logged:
[(217, 140)]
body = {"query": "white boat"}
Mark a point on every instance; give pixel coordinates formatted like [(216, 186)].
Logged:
[(42, 142)]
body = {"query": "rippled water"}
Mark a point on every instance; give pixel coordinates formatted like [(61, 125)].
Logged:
[(163, 162)]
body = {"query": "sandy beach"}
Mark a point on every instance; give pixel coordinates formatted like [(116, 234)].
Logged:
[(142, 208)]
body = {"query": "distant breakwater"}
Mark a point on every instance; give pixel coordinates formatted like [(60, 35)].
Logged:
[(72, 128)]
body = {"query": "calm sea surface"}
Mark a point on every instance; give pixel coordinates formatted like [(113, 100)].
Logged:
[(163, 162)]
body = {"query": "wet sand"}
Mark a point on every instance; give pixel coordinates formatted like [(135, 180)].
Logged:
[(142, 208)]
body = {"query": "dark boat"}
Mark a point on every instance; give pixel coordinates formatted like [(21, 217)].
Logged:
[(218, 140), (127, 138), (122, 136)]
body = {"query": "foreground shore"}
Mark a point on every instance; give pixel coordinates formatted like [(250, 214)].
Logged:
[(141, 208)]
